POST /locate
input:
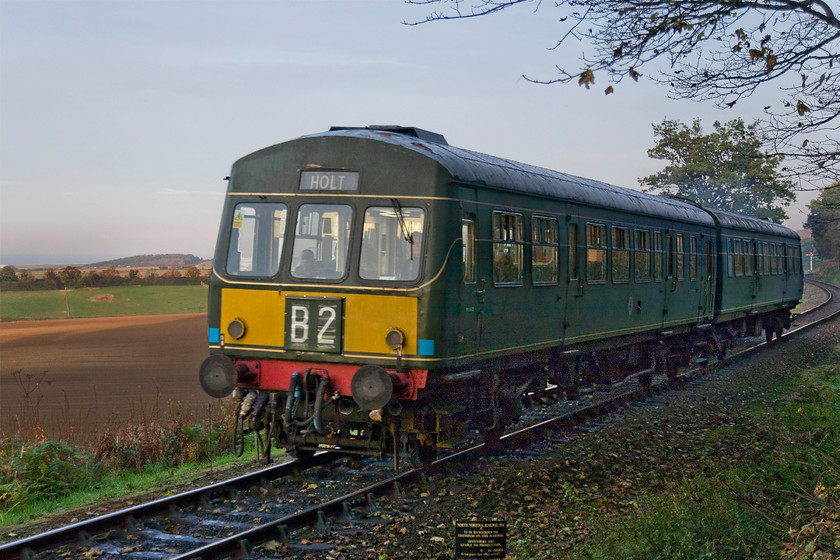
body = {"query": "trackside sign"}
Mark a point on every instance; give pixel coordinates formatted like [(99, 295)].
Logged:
[(485, 540)]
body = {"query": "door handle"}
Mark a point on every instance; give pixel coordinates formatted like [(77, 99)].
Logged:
[(480, 292)]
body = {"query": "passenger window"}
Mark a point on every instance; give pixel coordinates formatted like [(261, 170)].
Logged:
[(781, 249), (709, 262), (468, 248), (620, 254), (641, 258), (256, 239), (658, 256), (739, 258), (508, 243), (765, 258), (680, 255), (544, 250), (771, 259), (596, 253), (574, 272), (730, 258), (392, 243), (670, 257), (749, 258), (692, 258)]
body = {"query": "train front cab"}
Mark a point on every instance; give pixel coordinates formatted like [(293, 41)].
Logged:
[(321, 293)]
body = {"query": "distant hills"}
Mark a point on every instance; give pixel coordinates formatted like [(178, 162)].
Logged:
[(171, 259)]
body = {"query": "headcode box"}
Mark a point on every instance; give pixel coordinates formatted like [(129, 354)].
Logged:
[(486, 540)]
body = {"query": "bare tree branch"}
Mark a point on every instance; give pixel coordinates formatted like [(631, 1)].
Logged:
[(719, 51)]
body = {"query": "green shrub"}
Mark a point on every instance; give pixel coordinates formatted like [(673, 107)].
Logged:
[(43, 470)]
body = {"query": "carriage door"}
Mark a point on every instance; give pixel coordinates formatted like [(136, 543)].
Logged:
[(707, 271), (669, 286), (572, 270), (751, 267), (472, 284), (786, 269)]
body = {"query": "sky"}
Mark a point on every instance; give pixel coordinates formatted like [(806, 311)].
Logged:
[(120, 119)]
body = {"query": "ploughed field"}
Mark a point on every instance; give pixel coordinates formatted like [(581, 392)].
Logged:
[(73, 377)]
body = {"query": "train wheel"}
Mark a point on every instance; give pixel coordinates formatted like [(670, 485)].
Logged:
[(492, 440), (719, 348), (300, 454), (645, 380), (768, 335), (671, 368), (571, 393), (419, 455)]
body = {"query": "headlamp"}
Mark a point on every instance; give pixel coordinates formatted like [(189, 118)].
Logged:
[(395, 339)]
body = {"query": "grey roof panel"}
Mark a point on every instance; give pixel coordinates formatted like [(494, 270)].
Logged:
[(481, 169), (746, 223)]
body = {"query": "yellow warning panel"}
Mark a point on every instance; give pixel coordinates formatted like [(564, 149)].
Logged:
[(260, 310), (367, 318)]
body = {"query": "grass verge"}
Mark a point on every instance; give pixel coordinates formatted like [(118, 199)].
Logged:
[(102, 302), (119, 486), (773, 493)]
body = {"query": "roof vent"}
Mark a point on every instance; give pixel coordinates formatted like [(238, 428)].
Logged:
[(406, 130)]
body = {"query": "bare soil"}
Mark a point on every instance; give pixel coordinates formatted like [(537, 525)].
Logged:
[(73, 376)]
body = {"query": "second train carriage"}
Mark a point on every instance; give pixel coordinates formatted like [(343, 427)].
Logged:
[(377, 290), (760, 277)]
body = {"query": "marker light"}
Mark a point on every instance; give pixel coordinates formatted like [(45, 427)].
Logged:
[(395, 339), (236, 328)]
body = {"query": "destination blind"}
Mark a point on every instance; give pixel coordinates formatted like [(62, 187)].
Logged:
[(329, 181)]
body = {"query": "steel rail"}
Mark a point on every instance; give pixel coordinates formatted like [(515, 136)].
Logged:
[(240, 544), (79, 532)]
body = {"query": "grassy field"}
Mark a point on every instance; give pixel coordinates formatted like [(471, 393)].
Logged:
[(102, 302)]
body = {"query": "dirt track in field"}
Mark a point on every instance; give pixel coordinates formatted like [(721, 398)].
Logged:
[(74, 375)]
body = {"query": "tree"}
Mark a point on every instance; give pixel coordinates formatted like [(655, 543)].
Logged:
[(26, 279), (8, 274), (172, 272), (51, 279), (721, 51), (111, 275), (91, 278), (824, 223), (70, 276), (725, 169)]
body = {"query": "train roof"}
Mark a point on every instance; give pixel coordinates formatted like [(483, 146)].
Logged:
[(489, 171), (746, 223), (494, 172)]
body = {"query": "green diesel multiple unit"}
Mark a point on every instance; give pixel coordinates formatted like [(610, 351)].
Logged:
[(376, 290)]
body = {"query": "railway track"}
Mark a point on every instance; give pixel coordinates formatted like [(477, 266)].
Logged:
[(254, 514)]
